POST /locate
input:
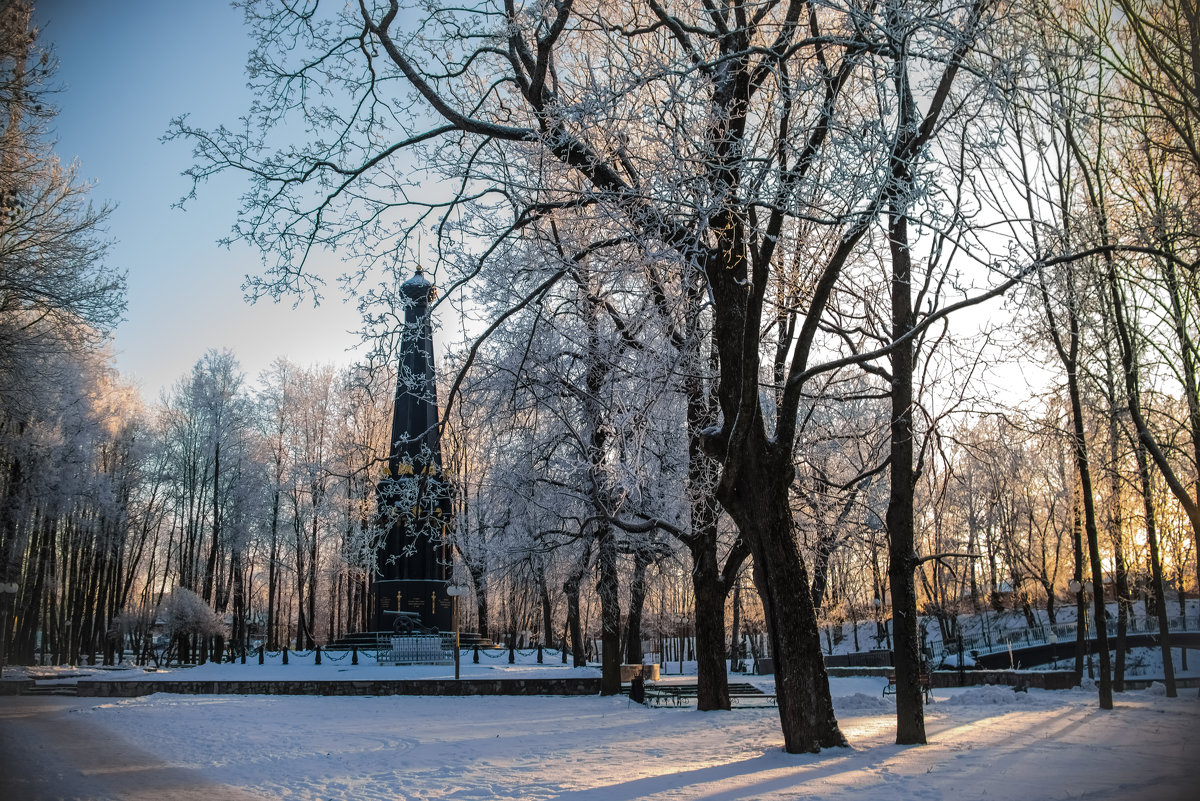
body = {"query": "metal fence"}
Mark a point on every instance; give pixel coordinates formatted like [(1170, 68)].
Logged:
[(999, 639), (419, 649)]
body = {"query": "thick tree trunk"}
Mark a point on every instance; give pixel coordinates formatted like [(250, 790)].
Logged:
[(735, 637), (1093, 544), (238, 632), (547, 619), (1051, 606), (821, 557), (712, 680), (637, 600), (210, 566), (902, 565), (757, 502), (1121, 584), (310, 619), (574, 625), (1080, 601), (607, 589), (273, 579)]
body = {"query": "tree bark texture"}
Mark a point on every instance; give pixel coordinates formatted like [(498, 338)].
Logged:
[(758, 504), (712, 679), (1160, 606), (910, 712), (607, 588), (637, 601)]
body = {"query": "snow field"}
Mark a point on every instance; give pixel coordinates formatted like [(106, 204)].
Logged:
[(985, 743)]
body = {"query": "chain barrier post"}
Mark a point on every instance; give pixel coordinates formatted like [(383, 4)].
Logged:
[(285, 655), (475, 658), (261, 650), (512, 655), (318, 660), (539, 652), (354, 658)]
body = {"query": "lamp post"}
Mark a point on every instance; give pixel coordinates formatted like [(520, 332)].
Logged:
[(454, 591), (8, 593), (1084, 590)]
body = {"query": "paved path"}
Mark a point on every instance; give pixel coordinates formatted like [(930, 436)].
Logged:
[(46, 752)]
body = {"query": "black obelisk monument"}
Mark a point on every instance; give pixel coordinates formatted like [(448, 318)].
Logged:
[(413, 560)]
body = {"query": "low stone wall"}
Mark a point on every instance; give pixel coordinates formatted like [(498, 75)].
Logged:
[(878, 658), (1042, 680), (542, 686), (1142, 682), (15, 686)]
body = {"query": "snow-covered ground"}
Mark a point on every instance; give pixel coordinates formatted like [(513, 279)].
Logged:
[(985, 743)]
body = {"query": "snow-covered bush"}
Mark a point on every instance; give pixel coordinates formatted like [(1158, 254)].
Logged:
[(185, 612), (987, 696), (861, 702)]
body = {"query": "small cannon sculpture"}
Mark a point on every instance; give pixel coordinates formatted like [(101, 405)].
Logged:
[(409, 623)]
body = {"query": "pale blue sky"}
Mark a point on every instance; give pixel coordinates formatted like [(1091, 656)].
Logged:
[(127, 67)]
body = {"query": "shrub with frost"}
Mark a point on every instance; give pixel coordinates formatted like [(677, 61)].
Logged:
[(185, 612)]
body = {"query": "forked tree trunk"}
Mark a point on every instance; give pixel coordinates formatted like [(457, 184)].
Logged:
[(574, 626), (757, 502), (637, 600)]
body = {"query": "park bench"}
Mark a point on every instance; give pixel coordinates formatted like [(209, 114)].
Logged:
[(923, 679), (741, 695)]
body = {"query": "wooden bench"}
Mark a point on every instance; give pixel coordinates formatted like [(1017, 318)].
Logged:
[(924, 680), (741, 695)]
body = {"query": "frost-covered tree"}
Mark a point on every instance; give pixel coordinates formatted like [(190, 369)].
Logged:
[(698, 133)]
